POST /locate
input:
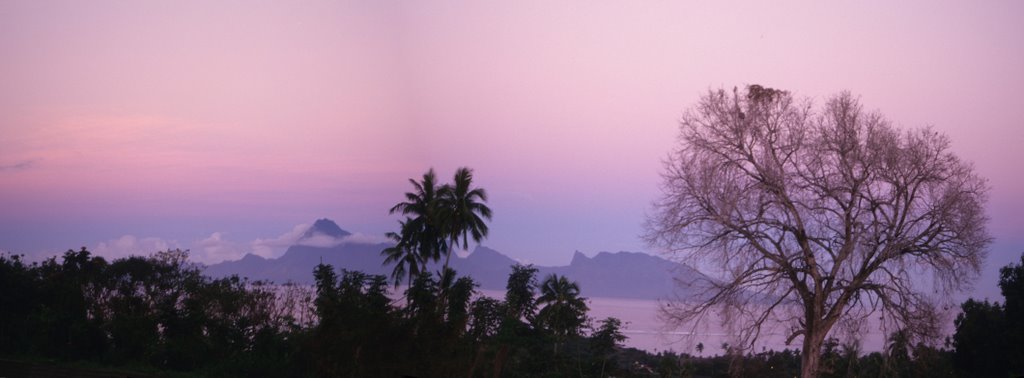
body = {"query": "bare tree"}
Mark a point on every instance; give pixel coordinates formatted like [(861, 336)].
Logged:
[(810, 218)]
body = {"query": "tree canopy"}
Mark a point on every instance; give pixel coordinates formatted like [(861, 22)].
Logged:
[(439, 218), (989, 338), (812, 216)]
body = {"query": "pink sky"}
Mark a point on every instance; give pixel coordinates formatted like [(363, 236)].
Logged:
[(222, 126)]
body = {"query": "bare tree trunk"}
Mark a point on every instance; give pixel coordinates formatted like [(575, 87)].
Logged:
[(831, 208), (810, 359)]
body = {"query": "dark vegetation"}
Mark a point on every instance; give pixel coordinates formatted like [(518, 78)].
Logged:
[(160, 315)]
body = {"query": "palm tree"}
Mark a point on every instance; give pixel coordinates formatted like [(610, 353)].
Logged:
[(464, 211), (421, 233), (407, 261), (565, 311)]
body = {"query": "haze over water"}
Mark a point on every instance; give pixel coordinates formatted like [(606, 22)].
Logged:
[(648, 332)]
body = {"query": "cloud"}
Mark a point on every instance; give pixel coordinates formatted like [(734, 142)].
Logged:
[(319, 240), (209, 250), (275, 247), (130, 245), (361, 238), (327, 241), (215, 248), (19, 166)]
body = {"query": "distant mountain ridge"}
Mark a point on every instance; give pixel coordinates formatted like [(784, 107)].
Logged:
[(620, 275)]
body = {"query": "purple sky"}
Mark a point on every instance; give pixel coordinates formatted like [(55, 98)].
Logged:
[(225, 126)]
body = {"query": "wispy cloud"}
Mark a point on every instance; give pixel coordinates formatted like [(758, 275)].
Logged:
[(319, 240), (211, 249), (130, 245), (217, 247), (275, 247), (361, 238), (18, 166)]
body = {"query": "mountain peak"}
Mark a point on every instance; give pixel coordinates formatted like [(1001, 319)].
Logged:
[(325, 227), (578, 258), (604, 274), (252, 257), (488, 257), (484, 251)]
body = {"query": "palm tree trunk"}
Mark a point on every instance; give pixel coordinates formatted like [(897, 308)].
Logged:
[(579, 361), (476, 359), (355, 368), (499, 360), (447, 256)]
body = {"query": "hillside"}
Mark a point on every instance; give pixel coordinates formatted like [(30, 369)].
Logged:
[(618, 275)]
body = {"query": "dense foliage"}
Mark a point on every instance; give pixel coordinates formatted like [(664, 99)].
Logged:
[(156, 311), (160, 313), (989, 338), (439, 218)]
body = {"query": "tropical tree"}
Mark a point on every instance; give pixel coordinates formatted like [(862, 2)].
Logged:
[(520, 303), (988, 337), (520, 309), (408, 262), (564, 311), (19, 284), (464, 211), (1011, 284), (817, 218), (421, 235), (605, 339)]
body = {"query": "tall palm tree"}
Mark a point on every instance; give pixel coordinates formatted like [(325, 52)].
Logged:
[(408, 263), (438, 219), (565, 311), (422, 233), (464, 211)]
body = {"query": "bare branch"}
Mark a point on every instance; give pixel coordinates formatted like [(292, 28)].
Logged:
[(816, 217)]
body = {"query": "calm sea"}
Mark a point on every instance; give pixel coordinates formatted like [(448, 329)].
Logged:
[(646, 331)]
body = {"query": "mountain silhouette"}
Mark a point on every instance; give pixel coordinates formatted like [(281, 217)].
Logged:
[(619, 275), (325, 227)]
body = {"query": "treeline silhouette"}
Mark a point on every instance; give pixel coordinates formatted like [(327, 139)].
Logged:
[(158, 311), (161, 314)]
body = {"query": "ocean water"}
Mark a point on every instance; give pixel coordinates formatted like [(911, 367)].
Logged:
[(646, 330)]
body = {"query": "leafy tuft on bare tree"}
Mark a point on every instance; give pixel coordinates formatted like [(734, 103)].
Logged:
[(812, 217)]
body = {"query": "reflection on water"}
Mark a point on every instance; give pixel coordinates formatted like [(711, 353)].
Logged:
[(646, 331)]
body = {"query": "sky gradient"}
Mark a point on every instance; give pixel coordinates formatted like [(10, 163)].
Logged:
[(224, 127)]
